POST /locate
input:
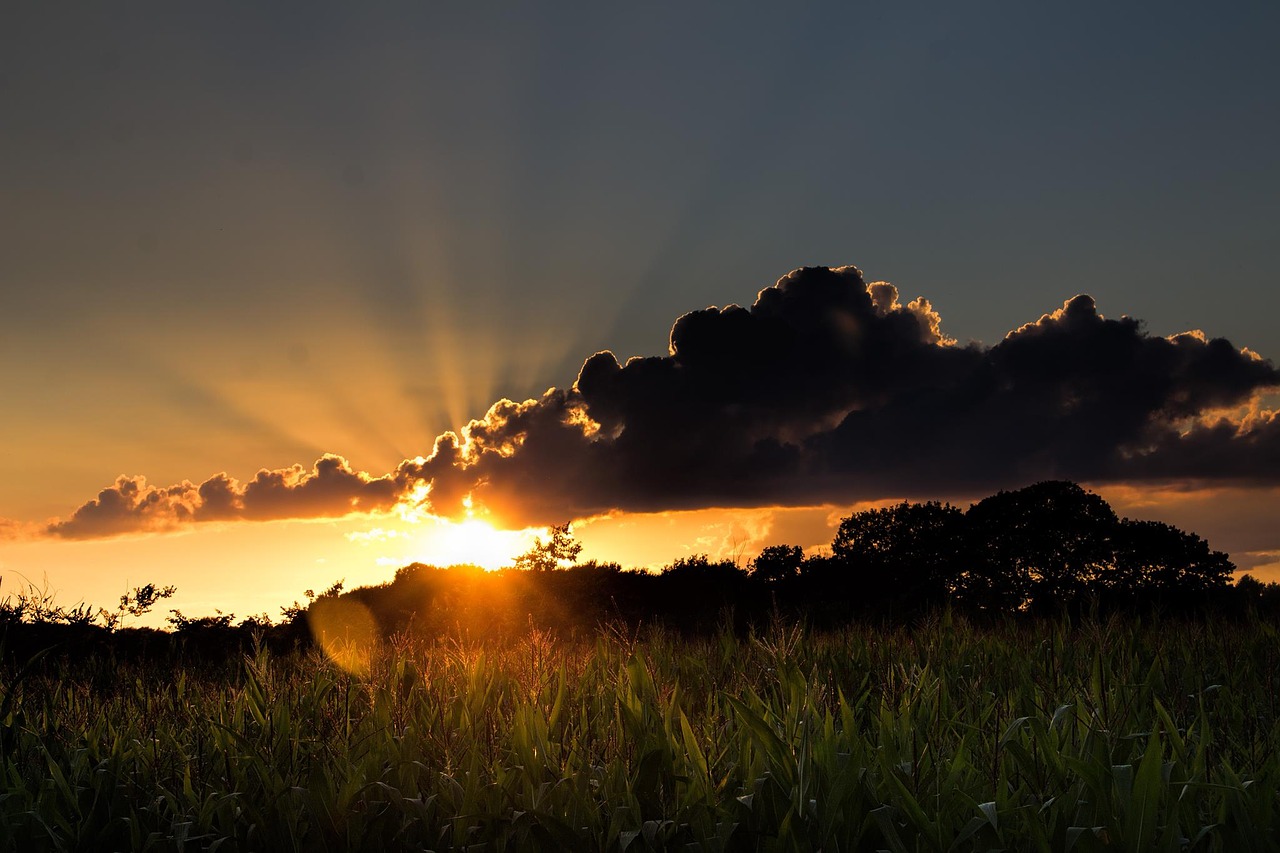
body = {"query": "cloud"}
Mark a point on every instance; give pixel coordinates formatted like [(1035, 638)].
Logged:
[(829, 389), (12, 529), (826, 389), (330, 488)]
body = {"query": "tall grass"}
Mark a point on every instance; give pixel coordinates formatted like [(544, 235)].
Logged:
[(1109, 736)]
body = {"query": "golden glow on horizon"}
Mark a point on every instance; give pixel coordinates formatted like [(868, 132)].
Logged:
[(443, 542), (652, 540), (256, 568), (472, 541)]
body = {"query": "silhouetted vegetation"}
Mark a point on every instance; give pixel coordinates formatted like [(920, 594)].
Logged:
[(1046, 550), (940, 679), (1037, 735)]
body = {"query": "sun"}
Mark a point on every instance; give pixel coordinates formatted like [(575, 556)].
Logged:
[(471, 541)]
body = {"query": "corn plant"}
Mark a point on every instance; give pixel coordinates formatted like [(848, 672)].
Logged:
[(936, 737)]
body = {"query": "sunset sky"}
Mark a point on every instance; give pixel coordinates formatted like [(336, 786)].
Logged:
[(237, 238)]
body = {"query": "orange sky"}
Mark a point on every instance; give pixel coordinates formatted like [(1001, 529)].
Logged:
[(255, 567), (240, 238)]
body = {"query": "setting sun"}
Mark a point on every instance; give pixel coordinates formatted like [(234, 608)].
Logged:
[(473, 541), (814, 426)]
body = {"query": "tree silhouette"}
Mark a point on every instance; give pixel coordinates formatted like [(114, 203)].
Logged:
[(904, 555), (1158, 562), (778, 562), (1040, 547), (1036, 549), (559, 549)]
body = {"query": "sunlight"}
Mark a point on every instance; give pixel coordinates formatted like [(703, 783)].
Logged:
[(472, 541)]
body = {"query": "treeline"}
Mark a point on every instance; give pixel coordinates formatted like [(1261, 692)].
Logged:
[(35, 628), (1042, 549), (1045, 550)]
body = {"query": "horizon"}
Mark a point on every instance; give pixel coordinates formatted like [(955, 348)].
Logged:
[(260, 264)]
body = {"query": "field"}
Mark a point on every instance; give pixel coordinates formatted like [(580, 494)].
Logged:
[(942, 736)]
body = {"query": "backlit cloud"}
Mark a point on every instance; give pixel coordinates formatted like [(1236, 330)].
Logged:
[(825, 390), (829, 390), (329, 489)]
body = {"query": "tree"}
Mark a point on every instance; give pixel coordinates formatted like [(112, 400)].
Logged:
[(778, 562), (1039, 547), (1252, 594), (696, 592), (559, 548), (905, 555), (137, 602), (220, 622), (296, 611), (1156, 561)]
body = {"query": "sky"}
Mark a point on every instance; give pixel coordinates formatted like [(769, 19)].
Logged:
[(309, 240)]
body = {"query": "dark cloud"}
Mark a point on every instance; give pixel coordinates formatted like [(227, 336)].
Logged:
[(1245, 452), (827, 389), (830, 389)]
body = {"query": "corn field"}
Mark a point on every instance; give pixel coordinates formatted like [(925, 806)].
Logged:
[(939, 737)]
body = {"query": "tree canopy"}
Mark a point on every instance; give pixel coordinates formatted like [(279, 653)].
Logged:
[(1040, 548), (559, 549)]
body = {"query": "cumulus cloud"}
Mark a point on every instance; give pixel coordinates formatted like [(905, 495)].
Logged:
[(829, 389), (825, 389), (330, 488)]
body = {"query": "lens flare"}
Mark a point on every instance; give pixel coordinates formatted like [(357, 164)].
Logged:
[(345, 630)]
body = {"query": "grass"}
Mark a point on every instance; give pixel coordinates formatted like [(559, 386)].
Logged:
[(938, 737)]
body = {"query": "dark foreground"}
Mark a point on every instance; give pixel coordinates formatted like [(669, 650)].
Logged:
[(1110, 735)]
